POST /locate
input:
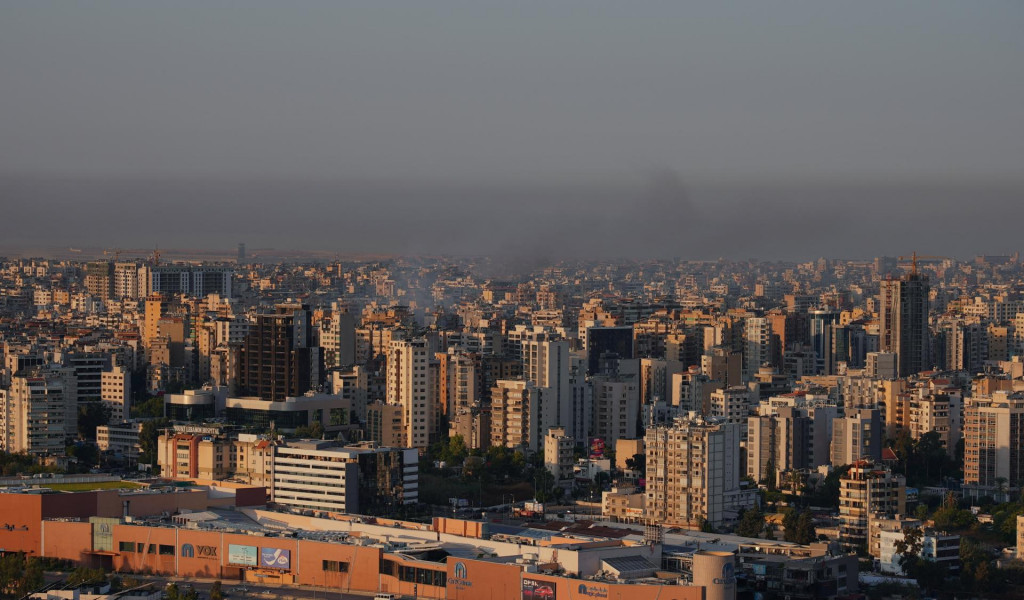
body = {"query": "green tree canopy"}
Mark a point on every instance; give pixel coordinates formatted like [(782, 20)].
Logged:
[(751, 523)]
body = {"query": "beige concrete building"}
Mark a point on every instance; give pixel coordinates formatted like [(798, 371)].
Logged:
[(513, 413), (558, 454), (867, 489), (40, 412), (410, 384), (115, 392), (693, 473), (994, 444), (384, 424), (623, 504)]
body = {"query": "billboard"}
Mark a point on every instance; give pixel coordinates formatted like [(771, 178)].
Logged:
[(534, 589), (275, 558), (242, 555), (597, 447)]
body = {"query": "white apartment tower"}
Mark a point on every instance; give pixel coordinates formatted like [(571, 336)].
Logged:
[(546, 364), (758, 345)]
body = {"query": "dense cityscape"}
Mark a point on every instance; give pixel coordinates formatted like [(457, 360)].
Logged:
[(503, 300), (826, 429)]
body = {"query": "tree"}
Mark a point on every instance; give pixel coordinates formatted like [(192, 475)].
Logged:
[(543, 482), (909, 548), (190, 594), (313, 432), (86, 453), (172, 591), (827, 494), (20, 574), (90, 416), (769, 476), (951, 518), (150, 409), (85, 576), (638, 464), (790, 520), (751, 523), (33, 578), (921, 512), (215, 591), (148, 439), (805, 528)]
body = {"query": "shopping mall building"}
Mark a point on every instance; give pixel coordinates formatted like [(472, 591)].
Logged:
[(228, 534)]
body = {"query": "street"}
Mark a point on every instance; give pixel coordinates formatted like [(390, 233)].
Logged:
[(234, 590)]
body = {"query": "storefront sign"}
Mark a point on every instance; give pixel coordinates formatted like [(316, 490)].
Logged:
[(190, 551), (592, 591), (460, 576)]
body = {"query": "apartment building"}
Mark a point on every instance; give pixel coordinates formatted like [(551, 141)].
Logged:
[(994, 444), (865, 490), (693, 472)]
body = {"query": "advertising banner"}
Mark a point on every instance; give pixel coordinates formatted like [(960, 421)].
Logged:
[(242, 555), (275, 558), (534, 589), (596, 447)]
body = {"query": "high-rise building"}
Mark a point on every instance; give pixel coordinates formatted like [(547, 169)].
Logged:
[(338, 339), (547, 365), (192, 280), (514, 414), (994, 444), (411, 385), (276, 360), (857, 436), (758, 351), (608, 342), (778, 442), (865, 490), (616, 401), (116, 391), (903, 328), (693, 473), (822, 339), (126, 281), (99, 279), (40, 412)]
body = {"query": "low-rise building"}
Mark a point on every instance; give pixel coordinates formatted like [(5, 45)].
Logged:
[(623, 504), (558, 455), (936, 546), (120, 439)]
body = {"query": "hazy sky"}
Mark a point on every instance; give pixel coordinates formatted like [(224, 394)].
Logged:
[(495, 98)]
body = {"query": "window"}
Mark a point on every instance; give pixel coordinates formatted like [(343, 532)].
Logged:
[(335, 566), (126, 546), (151, 549), (166, 550)]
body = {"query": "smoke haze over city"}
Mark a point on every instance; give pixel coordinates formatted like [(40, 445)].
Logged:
[(789, 130)]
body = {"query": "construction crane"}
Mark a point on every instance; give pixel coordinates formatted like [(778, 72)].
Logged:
[(115, 251), (913, 260), (156, 257)]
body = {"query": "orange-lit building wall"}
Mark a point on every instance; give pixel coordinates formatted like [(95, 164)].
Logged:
[(137, 549)]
